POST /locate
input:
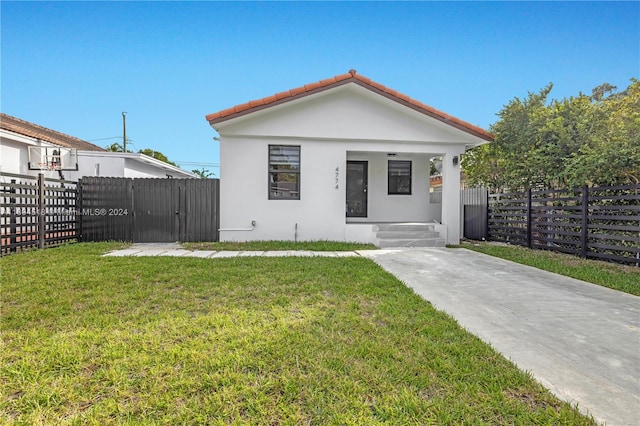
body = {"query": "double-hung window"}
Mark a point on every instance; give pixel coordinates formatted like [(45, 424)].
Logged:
[(284, 172), (399, 180)]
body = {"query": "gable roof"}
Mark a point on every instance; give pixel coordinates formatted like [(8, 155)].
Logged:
[(351, 77), (25, 128)]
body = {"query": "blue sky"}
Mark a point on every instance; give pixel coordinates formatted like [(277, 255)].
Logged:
[(75, 66)]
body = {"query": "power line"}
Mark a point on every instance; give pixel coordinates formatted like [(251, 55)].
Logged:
[(196, 163), (104, 139)]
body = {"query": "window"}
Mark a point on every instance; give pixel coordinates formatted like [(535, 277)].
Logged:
[(399, 177), (284, 172)]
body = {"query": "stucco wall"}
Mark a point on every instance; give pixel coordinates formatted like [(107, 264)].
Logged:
[(136, 169), (111, 165), (319, 214), (348, 112), (107, 167), (14, 158)]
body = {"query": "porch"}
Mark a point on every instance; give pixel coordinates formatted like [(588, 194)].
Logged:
[(388, 199)]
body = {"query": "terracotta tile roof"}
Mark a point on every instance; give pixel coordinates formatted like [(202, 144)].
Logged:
[(350, 77), (32, 130)]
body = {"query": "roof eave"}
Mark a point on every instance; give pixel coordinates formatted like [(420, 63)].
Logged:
[(351, 77), (279, 101)]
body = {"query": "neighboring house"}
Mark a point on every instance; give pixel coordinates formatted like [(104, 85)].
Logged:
[(124, 164), (17, 135), (333, 159)]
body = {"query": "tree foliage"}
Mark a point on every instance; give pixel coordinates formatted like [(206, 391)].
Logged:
[(116, 147), (157, 155), (593, 140), (203, 173)]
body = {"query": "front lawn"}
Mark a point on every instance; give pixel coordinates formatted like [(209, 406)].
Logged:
[(157, 340)]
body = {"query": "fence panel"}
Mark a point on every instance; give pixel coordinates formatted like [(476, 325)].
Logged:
[(199, 210), (36, 212), (613, 230), (556, 220), (600, 222), (107, 209), (474, 203), (150, 210), (156, 204), (508, 218)]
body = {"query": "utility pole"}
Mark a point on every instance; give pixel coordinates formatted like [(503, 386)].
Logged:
[(124, 131)]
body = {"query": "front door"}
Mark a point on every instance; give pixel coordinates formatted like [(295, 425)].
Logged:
[(356, 189)]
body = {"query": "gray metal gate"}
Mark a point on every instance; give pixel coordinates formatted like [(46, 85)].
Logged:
[(475, 205), (149, 210)]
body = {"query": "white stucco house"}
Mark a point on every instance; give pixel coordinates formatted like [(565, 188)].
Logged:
[(16, 135), (343, 159)]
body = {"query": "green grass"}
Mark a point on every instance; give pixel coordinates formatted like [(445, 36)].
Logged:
[(618, 277), (287, 341), (279, 245)]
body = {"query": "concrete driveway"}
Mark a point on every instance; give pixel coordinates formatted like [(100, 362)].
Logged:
[(579, 340)]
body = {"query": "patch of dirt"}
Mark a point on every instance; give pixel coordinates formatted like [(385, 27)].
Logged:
[(534, 402)]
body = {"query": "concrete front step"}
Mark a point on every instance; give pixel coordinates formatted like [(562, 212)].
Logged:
[(395, 235), (411, 242), (404, 227), (408, 235)]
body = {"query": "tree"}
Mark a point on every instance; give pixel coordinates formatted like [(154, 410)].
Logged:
[(581, 140), (485, 166), (511, 160), (597, 94), (116, 147), (157, 155), (202, 173), (612, 155), (435, 166)]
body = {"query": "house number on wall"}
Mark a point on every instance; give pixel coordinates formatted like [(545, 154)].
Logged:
[(337, 174)]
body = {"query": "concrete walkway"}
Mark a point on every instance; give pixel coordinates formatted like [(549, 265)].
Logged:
[(581, 341), (176, 250)]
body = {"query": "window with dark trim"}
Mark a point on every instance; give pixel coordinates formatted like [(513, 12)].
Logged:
[(399, 177), (284, 172)]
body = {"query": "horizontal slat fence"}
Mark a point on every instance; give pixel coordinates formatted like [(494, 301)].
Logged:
[(600, 222), (36, 212), (509, 215)]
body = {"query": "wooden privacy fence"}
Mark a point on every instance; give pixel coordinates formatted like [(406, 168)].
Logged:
[(149, 210), (36, 212), (600, 222)]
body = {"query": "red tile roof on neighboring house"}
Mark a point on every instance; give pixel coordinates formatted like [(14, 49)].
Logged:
[(32, 130), (350, 77)]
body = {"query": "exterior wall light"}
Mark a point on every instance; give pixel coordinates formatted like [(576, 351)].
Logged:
[(455, 160)]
